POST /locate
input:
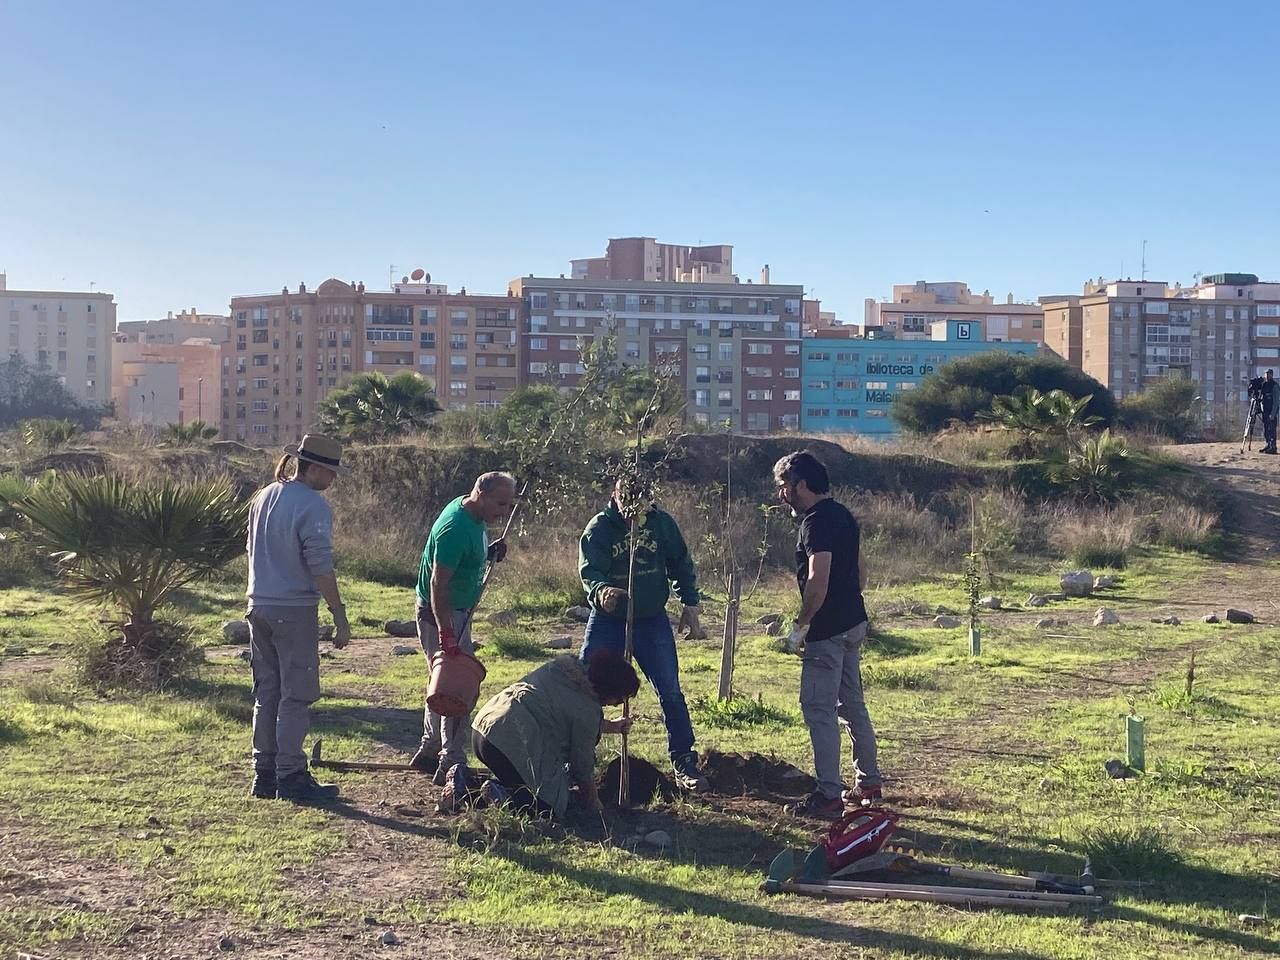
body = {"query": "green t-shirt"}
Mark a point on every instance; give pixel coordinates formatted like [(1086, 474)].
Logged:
[(460, 542)]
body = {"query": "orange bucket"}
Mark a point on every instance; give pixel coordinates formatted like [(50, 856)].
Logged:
[(455, 684)]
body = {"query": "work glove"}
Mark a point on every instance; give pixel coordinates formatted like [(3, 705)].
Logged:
[(449, 643), (498, 550), (690, 626), (795, 639), (610, 598)]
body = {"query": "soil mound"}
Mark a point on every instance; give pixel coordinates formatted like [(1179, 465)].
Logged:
[(755, 775), (648, 783)]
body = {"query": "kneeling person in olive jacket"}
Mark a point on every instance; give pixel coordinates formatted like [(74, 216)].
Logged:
[(541, 731)]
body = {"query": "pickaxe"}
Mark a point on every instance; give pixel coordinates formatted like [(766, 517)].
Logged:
[(352, 766)]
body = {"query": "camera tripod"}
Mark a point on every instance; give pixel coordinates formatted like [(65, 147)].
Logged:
[(1255, 411)]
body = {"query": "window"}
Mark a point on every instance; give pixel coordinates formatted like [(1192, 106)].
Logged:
[(702, 351), (877, 385), (427, 316), (791, 395), (846, 412), (1266, 330), (457, 388), (758, 421), (1268, 310), (907, 385), (457, 362), (791, 373), (631, 350), (764, 372), (759, 394), (702, 374), (632, 301), (817, 412), (259, 383), (568, 368), (846, 384), (792, 307), (427, 360), (568, 343), (259, 406), (818, 385), (259, 428), (724, 398), (819, 357), (538, 301), (793, 350), (877, 413), (457, 341), (538, 324), (538, 343), (538, 368), (725, 352), (427, 341), (259, 359), (702, 398)]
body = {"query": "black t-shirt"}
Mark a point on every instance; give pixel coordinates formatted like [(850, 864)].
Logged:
[(1269, 391), (828, 527)]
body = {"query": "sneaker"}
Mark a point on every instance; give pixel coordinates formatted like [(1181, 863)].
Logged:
[(687, 774), (301, 787), (264, 785), (493, 793), (863, 796), (816, 805), (454, 795), (426, 761)]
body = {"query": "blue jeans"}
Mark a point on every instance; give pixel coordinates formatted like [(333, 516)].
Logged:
[(654, 648)]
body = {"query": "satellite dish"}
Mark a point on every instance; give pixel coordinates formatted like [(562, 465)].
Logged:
[(418, 274)]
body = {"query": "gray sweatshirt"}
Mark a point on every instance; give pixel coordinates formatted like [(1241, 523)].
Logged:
[(290, 544)]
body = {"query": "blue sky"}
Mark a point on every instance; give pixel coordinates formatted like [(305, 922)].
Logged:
[(178, 154)]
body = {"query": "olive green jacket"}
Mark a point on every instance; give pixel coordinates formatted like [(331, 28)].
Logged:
[(541, 723)]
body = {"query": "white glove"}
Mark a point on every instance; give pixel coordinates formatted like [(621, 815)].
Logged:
[(795, 639)]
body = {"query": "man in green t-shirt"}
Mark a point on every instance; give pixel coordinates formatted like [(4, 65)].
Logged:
[(449, 583)]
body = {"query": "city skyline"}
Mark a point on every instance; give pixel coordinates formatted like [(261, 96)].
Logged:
[(178, 159)]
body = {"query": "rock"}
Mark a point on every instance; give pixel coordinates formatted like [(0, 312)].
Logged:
[(947, 623), (1044, 623), (920, 610), (990, 603), (236, 631), (1239, 616), (1103, 582), (1116, 769), (326, 632), (774, 629), (401, 628), (1076, 583), (1168, 621), (1046, 783), (560, 643), (1036, 600), (404, 650), (226, 945), (1252, 919), (1210, 618), (580, 614), (942, 611), (505, 618), (658, 838), (1105, 617), (245, 655), (169, 848), (389, 939), (768, 618)]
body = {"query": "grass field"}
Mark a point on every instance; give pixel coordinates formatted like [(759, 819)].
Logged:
[(127, 830)]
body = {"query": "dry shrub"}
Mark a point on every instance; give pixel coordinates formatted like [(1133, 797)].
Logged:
[(540, 577), (1092, 536), (900, 541), (1185, 526)]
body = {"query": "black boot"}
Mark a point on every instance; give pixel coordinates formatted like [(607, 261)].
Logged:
[(264, 785), (426, 761), (687, 774), (301, 787)]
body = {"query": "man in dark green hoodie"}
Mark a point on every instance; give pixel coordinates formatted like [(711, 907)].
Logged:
[(662, 560)]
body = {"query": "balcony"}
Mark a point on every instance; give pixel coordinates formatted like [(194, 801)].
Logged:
[(392, 316)]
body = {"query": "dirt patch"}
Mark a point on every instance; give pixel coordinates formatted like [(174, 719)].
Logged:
[(647, 783), (755, 775)]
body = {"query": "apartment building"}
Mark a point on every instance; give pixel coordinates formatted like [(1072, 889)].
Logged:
[(736, 346), (644, 259), (849, 384), (1063, 330), (916, 307), (169, 370), (1220, 332), (65, 333), (288, 350)]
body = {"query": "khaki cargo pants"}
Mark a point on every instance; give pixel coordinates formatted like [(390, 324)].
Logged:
[(285, 646)]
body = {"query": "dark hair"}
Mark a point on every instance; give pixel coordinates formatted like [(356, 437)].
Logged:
[(282, 468), (612, 678), (803, 465)]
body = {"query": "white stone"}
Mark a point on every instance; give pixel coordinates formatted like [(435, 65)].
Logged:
[(990, 603), (504, 618), (658, 838), (1035, 600), (581, 614), (560, 643), (768, 618), (401, 628), (236, 631), (1103, 582), (403, 650), (943, 611), (1105, 617), (947, 623)]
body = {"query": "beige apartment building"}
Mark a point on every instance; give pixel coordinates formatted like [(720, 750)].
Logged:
[(1220, 333), (65, 333), (914, 309), (735, 346), (169, 370), (1063, 331), (644, 259), (288, 350)]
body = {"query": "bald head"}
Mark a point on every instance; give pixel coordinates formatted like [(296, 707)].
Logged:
[(493, 495)]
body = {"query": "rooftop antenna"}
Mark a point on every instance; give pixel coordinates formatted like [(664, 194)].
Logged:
[(1144, 259), (91, 286), (391, 277)]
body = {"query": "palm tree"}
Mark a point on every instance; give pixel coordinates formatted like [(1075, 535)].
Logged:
[(373, 406), (49, 433), (1093, 468), (130, 545), (183, 435), (1055, 415)]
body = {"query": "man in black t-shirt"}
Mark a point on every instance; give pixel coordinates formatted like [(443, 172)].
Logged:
[(828, 633), (1268, 395)]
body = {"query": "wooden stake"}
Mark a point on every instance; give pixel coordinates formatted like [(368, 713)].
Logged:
[(730, 643), (624, 769)]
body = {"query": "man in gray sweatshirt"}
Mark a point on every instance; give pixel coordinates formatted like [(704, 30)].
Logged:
[(290, 569)]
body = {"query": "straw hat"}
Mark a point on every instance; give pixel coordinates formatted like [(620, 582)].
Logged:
[(315, 448)]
